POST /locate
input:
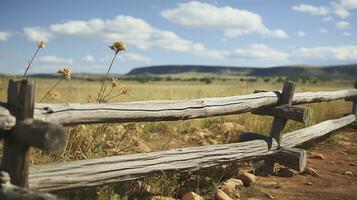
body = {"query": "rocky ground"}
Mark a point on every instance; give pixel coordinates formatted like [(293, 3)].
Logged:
[(331, 174)]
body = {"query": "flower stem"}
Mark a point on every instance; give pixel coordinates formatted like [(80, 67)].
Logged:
[(105, 79), (53, 87), (29, 65)]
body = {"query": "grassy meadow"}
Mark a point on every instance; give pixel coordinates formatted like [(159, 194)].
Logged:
[(91, 141)]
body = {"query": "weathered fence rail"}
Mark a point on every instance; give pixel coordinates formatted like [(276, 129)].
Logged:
[(145, 111), (94, 172), (24, 124)]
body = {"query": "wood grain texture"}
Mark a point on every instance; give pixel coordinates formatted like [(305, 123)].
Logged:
[(7, 121), (13, 192), (43, 135), (290, 157), (71, 114), (284, 111), (100, 171), (286, 98), (21, 96), (170, 110)]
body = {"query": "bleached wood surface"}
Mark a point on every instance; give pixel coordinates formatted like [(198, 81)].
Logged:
[(144, 111), (95, 172)]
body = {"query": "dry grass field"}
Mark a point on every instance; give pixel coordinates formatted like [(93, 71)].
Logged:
[(100, 140)]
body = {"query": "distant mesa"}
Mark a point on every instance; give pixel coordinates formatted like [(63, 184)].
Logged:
[(337, 71)]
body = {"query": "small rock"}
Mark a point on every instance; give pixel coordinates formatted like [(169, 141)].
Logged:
[(191, 196), (318, 156), (247, 178), (268, 195), (159, 198), (269, 184), (311, 171), (348, 173), (352, 164), (231, 187), (285, 172), (308, 183), (344, 138), (344, 143), (220, 195)]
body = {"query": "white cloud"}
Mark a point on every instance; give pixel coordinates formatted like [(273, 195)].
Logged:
[(341, 8), (4, 36), (349, 4), (261, 52), (323, 31), (313, 10), (234, 22), (342, 25), (133, 31), (36, 34), (301, 33), (347, 34), (54, 59), (341, 53), (135, 57), (88, 58), (327, 19)]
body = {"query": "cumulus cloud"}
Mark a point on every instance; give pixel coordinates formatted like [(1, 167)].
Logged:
[(340, 53), (259, 51), (133, 31), (135, 57), (36, 34), (4, 36), (234, 22), (327, 19), (88, 58), (342, 25), (323, 31), (301, 33), (347, 34), (313, 10), (341, 8), (55, 60)]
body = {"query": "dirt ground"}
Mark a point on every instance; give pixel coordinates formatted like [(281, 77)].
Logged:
[(338, 173)]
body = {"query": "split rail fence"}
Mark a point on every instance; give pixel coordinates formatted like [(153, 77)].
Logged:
[(24, 124)]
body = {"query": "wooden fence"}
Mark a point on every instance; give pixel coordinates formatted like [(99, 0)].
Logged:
[(24, 124)]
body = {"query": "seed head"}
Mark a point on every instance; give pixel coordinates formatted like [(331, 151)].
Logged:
[(65, 73), (114, 82), (54, 95), (41, 44), (118, 46)]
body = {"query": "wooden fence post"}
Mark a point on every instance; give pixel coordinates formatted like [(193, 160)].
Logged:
[(21, 96), (354, 107), (278, 125)]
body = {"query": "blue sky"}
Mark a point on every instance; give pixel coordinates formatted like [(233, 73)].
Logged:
[(229, 33)]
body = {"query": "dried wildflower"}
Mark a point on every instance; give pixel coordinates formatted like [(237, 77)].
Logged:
[(65, 73), (114, 82), (124, 91), (54, 95), (41, 44), (118, 46)]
